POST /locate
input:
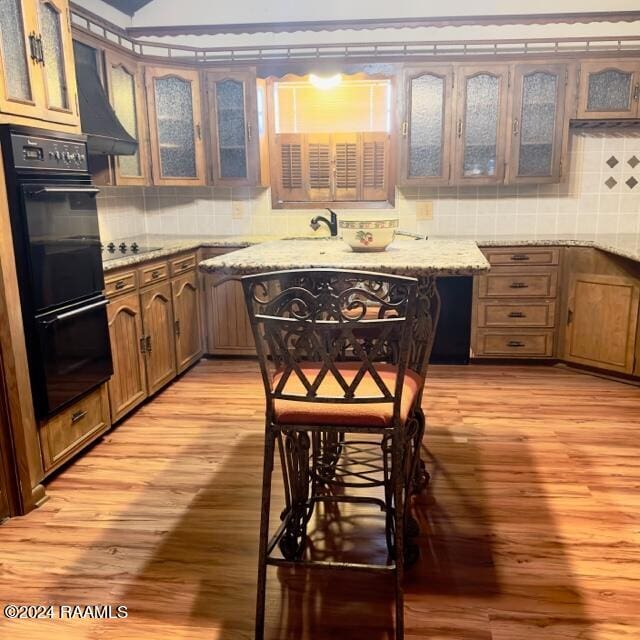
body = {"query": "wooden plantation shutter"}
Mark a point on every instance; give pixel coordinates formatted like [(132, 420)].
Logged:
[(319, 167), (347, 166), (291, 179), (374, 166)]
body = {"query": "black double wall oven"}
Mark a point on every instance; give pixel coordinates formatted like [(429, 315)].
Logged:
[(54, 223)]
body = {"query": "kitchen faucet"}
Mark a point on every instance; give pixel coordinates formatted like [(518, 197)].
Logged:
[(332, 224)]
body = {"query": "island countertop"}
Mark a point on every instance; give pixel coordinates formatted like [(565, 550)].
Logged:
[(436, 256)]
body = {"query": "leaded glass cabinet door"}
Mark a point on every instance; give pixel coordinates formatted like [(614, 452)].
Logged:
[(426, 126), (480, 124), (538, 123), (17, 34), (173, 98), (57, 67), (609, 89), (125, 83), (232, 101)]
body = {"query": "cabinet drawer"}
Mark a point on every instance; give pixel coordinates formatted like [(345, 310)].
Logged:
[(523, 255), (183, 263), (514, 344), (67, 432), (119, 283), (152, 273), (500, 313), (504, 282)]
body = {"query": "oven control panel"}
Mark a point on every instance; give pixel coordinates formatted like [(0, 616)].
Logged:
[(48, 154)]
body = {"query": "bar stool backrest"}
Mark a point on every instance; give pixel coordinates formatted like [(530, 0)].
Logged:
[(322, 317)]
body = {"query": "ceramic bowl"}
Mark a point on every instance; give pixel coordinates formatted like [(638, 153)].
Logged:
[(367, 234)]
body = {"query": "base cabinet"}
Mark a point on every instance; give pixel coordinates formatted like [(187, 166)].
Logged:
[(70, 430), (186, 310), (158, 327), (602, 321), (228, 326), (128, 385)]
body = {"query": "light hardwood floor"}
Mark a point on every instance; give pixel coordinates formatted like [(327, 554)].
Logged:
[(530, 528)]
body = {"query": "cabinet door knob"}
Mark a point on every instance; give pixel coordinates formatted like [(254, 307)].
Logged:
[(155, 274)]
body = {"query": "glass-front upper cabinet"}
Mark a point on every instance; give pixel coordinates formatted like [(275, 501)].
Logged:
[(37, 61), (233, 116), (55, 48), (125, 85), (173, 99), (609, 89), (426, 126), (481, 113), (538, 123)]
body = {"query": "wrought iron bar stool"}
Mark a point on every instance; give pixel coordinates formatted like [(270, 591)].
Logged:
[(342, 356)]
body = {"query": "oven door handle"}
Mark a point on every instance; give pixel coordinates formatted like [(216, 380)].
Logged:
[(77, 312), (92, 191)]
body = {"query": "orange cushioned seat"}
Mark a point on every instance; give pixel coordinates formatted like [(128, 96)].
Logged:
[(373, 414)]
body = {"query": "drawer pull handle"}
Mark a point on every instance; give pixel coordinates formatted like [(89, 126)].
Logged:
[(517, 314), (78, 415), (519, 285), (155, 274), (184, 265), (120, 285), (515, 343), (520, 257)]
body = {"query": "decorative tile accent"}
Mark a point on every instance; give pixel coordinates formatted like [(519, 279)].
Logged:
[(612, 161), (633, 162), (611, 182), (631, 182)]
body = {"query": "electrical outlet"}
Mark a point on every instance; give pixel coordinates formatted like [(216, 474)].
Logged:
[(238, 209), (424, 210)]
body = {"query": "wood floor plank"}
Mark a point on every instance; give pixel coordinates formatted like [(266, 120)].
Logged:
[(530, 528)]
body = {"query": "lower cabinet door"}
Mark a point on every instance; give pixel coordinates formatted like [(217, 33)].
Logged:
[(228, 326), (186, 311), (74, 427), (158, 327), (602, 321), (128, 386)]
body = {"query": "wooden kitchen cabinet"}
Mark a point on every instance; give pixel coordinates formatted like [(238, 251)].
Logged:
[(480, 128), (70, 430), (37, 60), (228, 326), (177, 151), (609, 89), (127, 386), (125, 85), (233, 121), (426, 113), (186, 310), (602, 321), (538, 123), (158, 328)]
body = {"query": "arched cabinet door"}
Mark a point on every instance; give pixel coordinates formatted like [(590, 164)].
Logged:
[(234, 127), (538, 123), (425, 127), (609, 89), (127, 386), (177, 152), (158, 326), (125, 83), (481, 113), (57, 67), (186, 312)]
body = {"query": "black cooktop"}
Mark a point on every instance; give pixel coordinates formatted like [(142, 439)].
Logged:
[(123, 248)]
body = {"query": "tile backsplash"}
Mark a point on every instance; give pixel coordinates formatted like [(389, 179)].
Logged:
[(601, 196)]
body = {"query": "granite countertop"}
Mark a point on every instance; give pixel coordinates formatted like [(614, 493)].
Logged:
[(169, 245), (437, 256), (624, 245)]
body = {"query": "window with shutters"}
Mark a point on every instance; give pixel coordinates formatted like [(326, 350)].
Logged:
[(331, 146)]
